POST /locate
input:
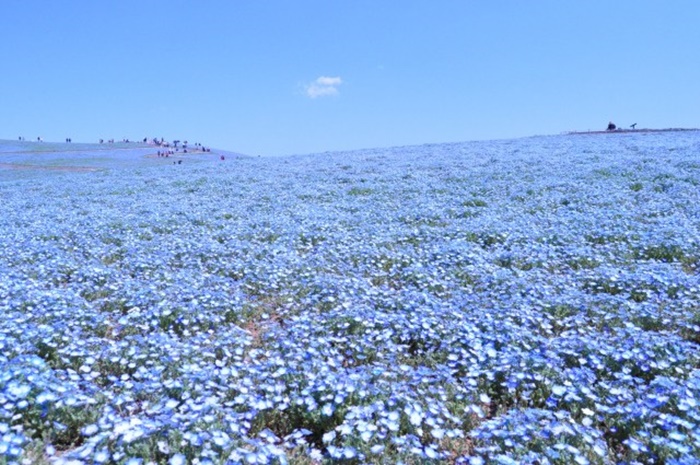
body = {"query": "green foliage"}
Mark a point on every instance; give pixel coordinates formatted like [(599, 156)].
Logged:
[(360, 191), (662, 252)]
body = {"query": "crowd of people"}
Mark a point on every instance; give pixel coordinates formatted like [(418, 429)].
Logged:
[(170, 147)]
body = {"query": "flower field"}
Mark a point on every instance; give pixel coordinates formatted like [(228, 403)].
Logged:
[(529, 301)]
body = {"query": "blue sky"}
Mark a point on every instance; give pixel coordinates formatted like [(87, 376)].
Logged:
[(281, 77)]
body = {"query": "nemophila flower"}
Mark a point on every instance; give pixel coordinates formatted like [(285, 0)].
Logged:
[(89, 430), (329, 436), (377, 449), (101, 456), (398, 298), (177, 459)]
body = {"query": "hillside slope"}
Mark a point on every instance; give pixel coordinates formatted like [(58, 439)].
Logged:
[(516, 301)]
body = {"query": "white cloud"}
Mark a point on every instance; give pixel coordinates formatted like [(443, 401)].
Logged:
[(324, 86), (329, 81)]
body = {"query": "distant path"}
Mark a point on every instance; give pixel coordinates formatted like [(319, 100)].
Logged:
[(18, 166), (110, 149)]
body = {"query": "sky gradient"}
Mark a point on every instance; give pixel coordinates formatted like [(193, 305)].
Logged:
[(282, 77)]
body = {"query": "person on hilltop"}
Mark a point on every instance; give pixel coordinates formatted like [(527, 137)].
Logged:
[(611, 126)]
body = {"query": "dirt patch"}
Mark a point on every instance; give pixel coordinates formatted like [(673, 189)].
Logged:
[(17, 166)]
